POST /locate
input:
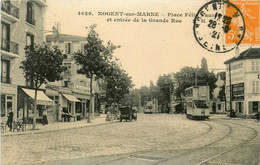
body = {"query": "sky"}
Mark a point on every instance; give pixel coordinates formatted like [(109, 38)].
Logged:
[(148, 49)]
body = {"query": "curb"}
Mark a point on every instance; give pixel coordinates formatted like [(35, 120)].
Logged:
[(62, 129)]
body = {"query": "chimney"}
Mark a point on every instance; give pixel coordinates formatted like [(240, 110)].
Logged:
[(237, 52)]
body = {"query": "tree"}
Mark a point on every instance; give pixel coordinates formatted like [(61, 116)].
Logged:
[(41, 64), (94, 60), (204, 64), (118, 83), (222, 94), (144, 94), (165, 84), (186, 78)]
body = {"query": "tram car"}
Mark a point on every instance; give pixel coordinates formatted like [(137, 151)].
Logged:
[(151, 107), (197, 100)]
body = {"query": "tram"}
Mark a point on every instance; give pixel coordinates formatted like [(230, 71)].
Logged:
[(151, 107), (197, 100)]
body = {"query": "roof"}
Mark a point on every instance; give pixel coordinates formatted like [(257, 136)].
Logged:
[(251, 53), (64, 37)]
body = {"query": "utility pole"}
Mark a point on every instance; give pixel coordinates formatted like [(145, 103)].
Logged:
[(230, 89)]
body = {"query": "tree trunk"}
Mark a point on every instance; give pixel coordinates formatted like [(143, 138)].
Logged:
[(90, 101), (35, 109)]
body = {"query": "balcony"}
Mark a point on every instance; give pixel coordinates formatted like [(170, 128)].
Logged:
[(10, 11), (9, 48), (30, 20), (6, 80)]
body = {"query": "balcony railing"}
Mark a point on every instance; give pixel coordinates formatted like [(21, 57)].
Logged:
[(8, 8), (6, 80), (9, 46), (30, 20)]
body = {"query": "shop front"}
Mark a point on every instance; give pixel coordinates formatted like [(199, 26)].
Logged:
[(68, 107), (26, 105), (8, 101)]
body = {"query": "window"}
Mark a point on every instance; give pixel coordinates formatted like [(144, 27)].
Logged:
[(219, 106), (66, 83), (68, 48), (30, 13), (29, 83), (68, 69), (29, 40), (5, 39), (255, 86), (5, 71), (255, 66)]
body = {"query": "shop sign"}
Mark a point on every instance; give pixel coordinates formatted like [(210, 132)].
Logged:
[(81, 88), (238, 92)]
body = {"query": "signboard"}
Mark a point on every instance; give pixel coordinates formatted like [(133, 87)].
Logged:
[(238, 92)]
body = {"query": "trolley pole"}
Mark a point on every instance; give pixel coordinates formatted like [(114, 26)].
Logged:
[(230, 90)]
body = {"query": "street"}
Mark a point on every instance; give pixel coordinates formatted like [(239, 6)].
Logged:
[(152, 139)]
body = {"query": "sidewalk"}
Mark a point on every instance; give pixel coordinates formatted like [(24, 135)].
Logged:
[(57, 126)]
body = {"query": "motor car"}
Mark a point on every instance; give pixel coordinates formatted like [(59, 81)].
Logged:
[(127, 113)]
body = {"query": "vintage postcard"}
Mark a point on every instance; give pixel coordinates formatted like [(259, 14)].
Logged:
[(129, 82)]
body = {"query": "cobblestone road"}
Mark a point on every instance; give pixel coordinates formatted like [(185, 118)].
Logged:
[(158, 133)]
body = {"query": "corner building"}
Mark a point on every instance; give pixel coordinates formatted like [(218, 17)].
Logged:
[(245, 82), (72, 93), (21, 25)]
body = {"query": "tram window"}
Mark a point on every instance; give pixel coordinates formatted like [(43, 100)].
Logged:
[(200, 104)]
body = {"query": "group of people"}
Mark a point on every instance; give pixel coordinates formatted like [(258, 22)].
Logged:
[(10, 117)]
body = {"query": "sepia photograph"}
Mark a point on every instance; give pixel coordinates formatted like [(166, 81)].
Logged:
[(130, 82)]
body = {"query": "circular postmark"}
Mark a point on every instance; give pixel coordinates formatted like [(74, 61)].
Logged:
[(219, 26)]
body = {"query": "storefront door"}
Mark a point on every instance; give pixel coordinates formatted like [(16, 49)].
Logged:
[(7, 102)]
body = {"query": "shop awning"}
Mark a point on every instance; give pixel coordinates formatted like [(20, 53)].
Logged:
[(42, 99), (71, 98), (173, 105)]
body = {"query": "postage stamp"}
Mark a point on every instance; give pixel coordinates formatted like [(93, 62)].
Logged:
[(250, 10), (219, 26)]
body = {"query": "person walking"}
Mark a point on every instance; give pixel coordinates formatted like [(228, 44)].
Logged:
[(10, 119), (44, 117)]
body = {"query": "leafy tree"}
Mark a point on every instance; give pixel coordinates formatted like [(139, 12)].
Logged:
[(41, 64), (204, 64), (186, 78), (94, 60), (145, 94), (133, 98), (165, 84), (222, 94), (118, 83)]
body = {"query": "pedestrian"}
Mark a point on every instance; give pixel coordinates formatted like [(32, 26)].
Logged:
[(10, 119), (44, 117)]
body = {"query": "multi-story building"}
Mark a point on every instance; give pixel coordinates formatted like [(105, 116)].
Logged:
[(218, 104), (21, 25), (72, 94), (245, 82)]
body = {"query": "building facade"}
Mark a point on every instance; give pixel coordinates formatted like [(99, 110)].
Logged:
[(219, 104), (244, 71), (21, 25), (72, 94)]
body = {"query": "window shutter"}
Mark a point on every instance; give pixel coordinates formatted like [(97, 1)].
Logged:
[(257, 86)]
